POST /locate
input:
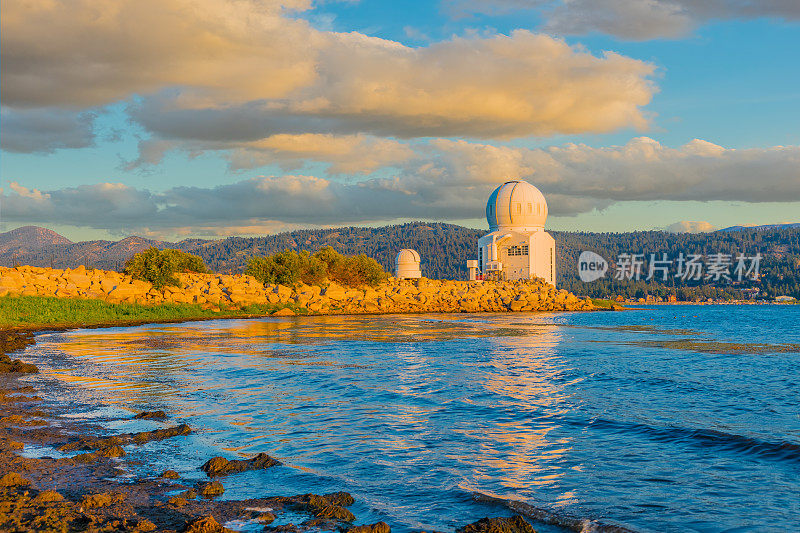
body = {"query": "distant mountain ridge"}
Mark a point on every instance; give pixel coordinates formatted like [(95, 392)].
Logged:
[(444, 249), (762, 227), (30, 238)]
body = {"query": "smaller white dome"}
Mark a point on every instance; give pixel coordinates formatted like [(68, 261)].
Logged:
[(516, 205), (407, 264)]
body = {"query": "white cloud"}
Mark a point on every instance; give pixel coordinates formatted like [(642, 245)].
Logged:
[(243, 71), (448, 180), (691, 226)]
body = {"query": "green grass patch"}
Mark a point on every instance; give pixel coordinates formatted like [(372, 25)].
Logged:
[(608, 304), (42, 311)]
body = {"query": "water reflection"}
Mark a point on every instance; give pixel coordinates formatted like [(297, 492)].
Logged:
[(410, 413)]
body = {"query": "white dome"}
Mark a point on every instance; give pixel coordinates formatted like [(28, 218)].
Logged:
[(516, 205), (407, 264)]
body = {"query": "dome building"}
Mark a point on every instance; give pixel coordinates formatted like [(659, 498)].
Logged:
[(406, 264), (518, 247)]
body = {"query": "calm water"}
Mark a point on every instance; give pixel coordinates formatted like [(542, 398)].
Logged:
[(636, 418)]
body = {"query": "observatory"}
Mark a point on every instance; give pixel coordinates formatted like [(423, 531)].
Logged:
[(406, 264), (518, 247)]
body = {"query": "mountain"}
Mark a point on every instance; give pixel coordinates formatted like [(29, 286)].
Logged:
[(766, 226), (28, 239), (444, 249)]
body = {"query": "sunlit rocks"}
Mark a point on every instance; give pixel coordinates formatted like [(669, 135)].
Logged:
[(219, 466), (514, 524), (151, 415)]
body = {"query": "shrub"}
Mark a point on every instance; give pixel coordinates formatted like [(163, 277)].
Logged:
[(160, 266), (289, 268)]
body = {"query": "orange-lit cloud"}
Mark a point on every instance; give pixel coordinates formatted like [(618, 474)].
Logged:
[(244, 71)]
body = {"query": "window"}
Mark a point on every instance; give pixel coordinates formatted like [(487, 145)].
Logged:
[(530, 210), (517, 250), (519, 209)]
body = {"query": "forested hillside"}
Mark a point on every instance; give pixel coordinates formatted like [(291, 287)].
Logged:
[(444, 249)]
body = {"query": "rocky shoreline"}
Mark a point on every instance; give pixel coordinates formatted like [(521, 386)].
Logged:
[(78, 492), (221, 292)]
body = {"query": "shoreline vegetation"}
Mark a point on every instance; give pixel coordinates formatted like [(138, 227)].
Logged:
[(49, 298)]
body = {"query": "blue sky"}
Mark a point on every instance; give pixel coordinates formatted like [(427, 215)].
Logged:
[(727, 78)]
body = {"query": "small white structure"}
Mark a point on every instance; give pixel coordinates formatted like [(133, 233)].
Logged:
[(406, 264), (472, 266), (518, 247)]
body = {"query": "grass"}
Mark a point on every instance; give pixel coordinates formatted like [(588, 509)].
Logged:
[(44, 311), (608, 304)]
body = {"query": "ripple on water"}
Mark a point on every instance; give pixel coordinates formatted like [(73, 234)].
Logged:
[(597, 416)]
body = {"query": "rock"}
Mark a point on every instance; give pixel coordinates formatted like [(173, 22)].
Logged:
[(219, 466), (100, 443), (104, 499), (12, 479), (48, 496), (205, 524), (210, 489), (340, 498), (515, 524), (333, 511), (284, 312), (177, 501), (325, 507), (379, 527), (169, 474), (111, 452), (151, 415)]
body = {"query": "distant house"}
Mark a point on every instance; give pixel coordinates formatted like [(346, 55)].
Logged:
[(784, 299)]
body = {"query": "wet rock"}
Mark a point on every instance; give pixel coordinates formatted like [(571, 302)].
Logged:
[(205, 524), (151, 415), (104, 499), (334, 512), (219, 466), (169, 474), (100, 443), (13, 479), (284, 528), (190, 494), (111, 452), (210, 489), (266, 517), (177, 501), (340, 498), (515, 524), (12, 341), (47, 496), (379, 527), (323, 506), (8, 365), (284, 312)]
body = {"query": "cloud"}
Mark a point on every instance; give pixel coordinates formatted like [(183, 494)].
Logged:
[(690, 226), (344, 154), (447, 180), (631, 19), (642, 169), (45, 130), (246, 70)]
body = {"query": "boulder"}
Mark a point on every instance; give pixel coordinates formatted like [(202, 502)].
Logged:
[(219, 466)]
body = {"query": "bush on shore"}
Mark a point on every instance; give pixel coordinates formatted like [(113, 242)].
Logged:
[(160, 266), (289, 267)]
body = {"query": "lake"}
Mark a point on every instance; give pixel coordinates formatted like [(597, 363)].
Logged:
[(668, 418)]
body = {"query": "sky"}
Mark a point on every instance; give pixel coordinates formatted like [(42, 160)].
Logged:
[(206, 118)]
